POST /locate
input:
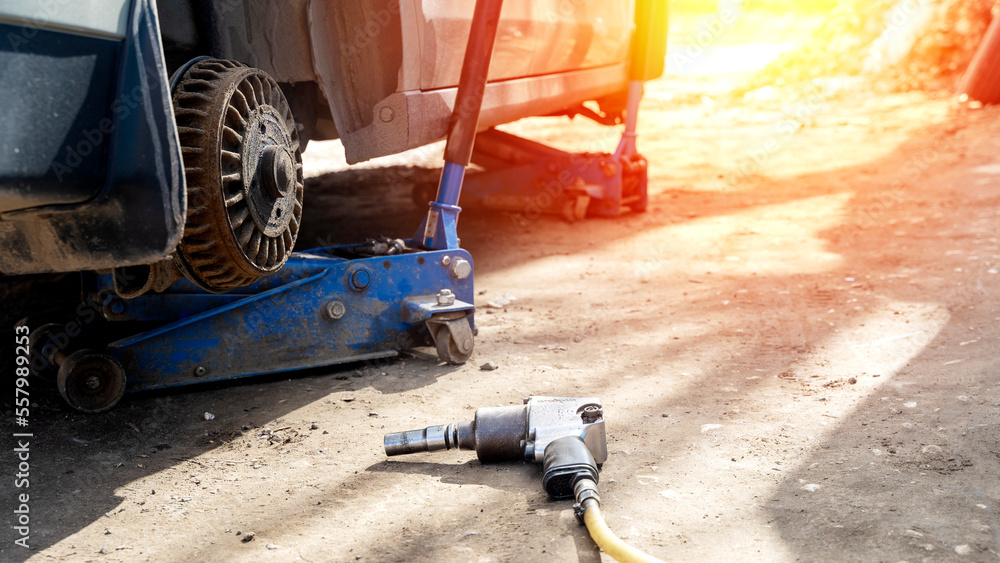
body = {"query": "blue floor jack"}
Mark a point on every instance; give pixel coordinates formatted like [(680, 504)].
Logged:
[(324, 306)]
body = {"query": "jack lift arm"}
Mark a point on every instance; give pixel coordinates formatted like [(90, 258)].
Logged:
[(325, 306)]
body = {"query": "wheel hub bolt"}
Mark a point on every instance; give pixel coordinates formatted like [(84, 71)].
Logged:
[(92, 382)]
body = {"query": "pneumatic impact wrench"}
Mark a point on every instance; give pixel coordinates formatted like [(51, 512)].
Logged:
[(565, 435)]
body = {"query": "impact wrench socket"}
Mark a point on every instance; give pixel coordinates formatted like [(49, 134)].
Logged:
[(565, 435)]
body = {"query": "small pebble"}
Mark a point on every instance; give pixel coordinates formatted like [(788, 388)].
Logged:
[(249, 536), (373, 413), (672, 495), (272, 546), (488, 366), (314, 426), (103, 550), (501, 302), (358, 373), (852, 380), (209, 416)]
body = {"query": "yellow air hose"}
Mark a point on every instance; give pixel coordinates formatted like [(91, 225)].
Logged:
[(589, 504)]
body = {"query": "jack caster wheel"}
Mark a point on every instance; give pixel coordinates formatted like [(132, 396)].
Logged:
[(91, 382), (452, 352), (452, 337)]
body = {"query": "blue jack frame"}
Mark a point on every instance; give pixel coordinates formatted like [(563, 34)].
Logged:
[(321, 309)]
